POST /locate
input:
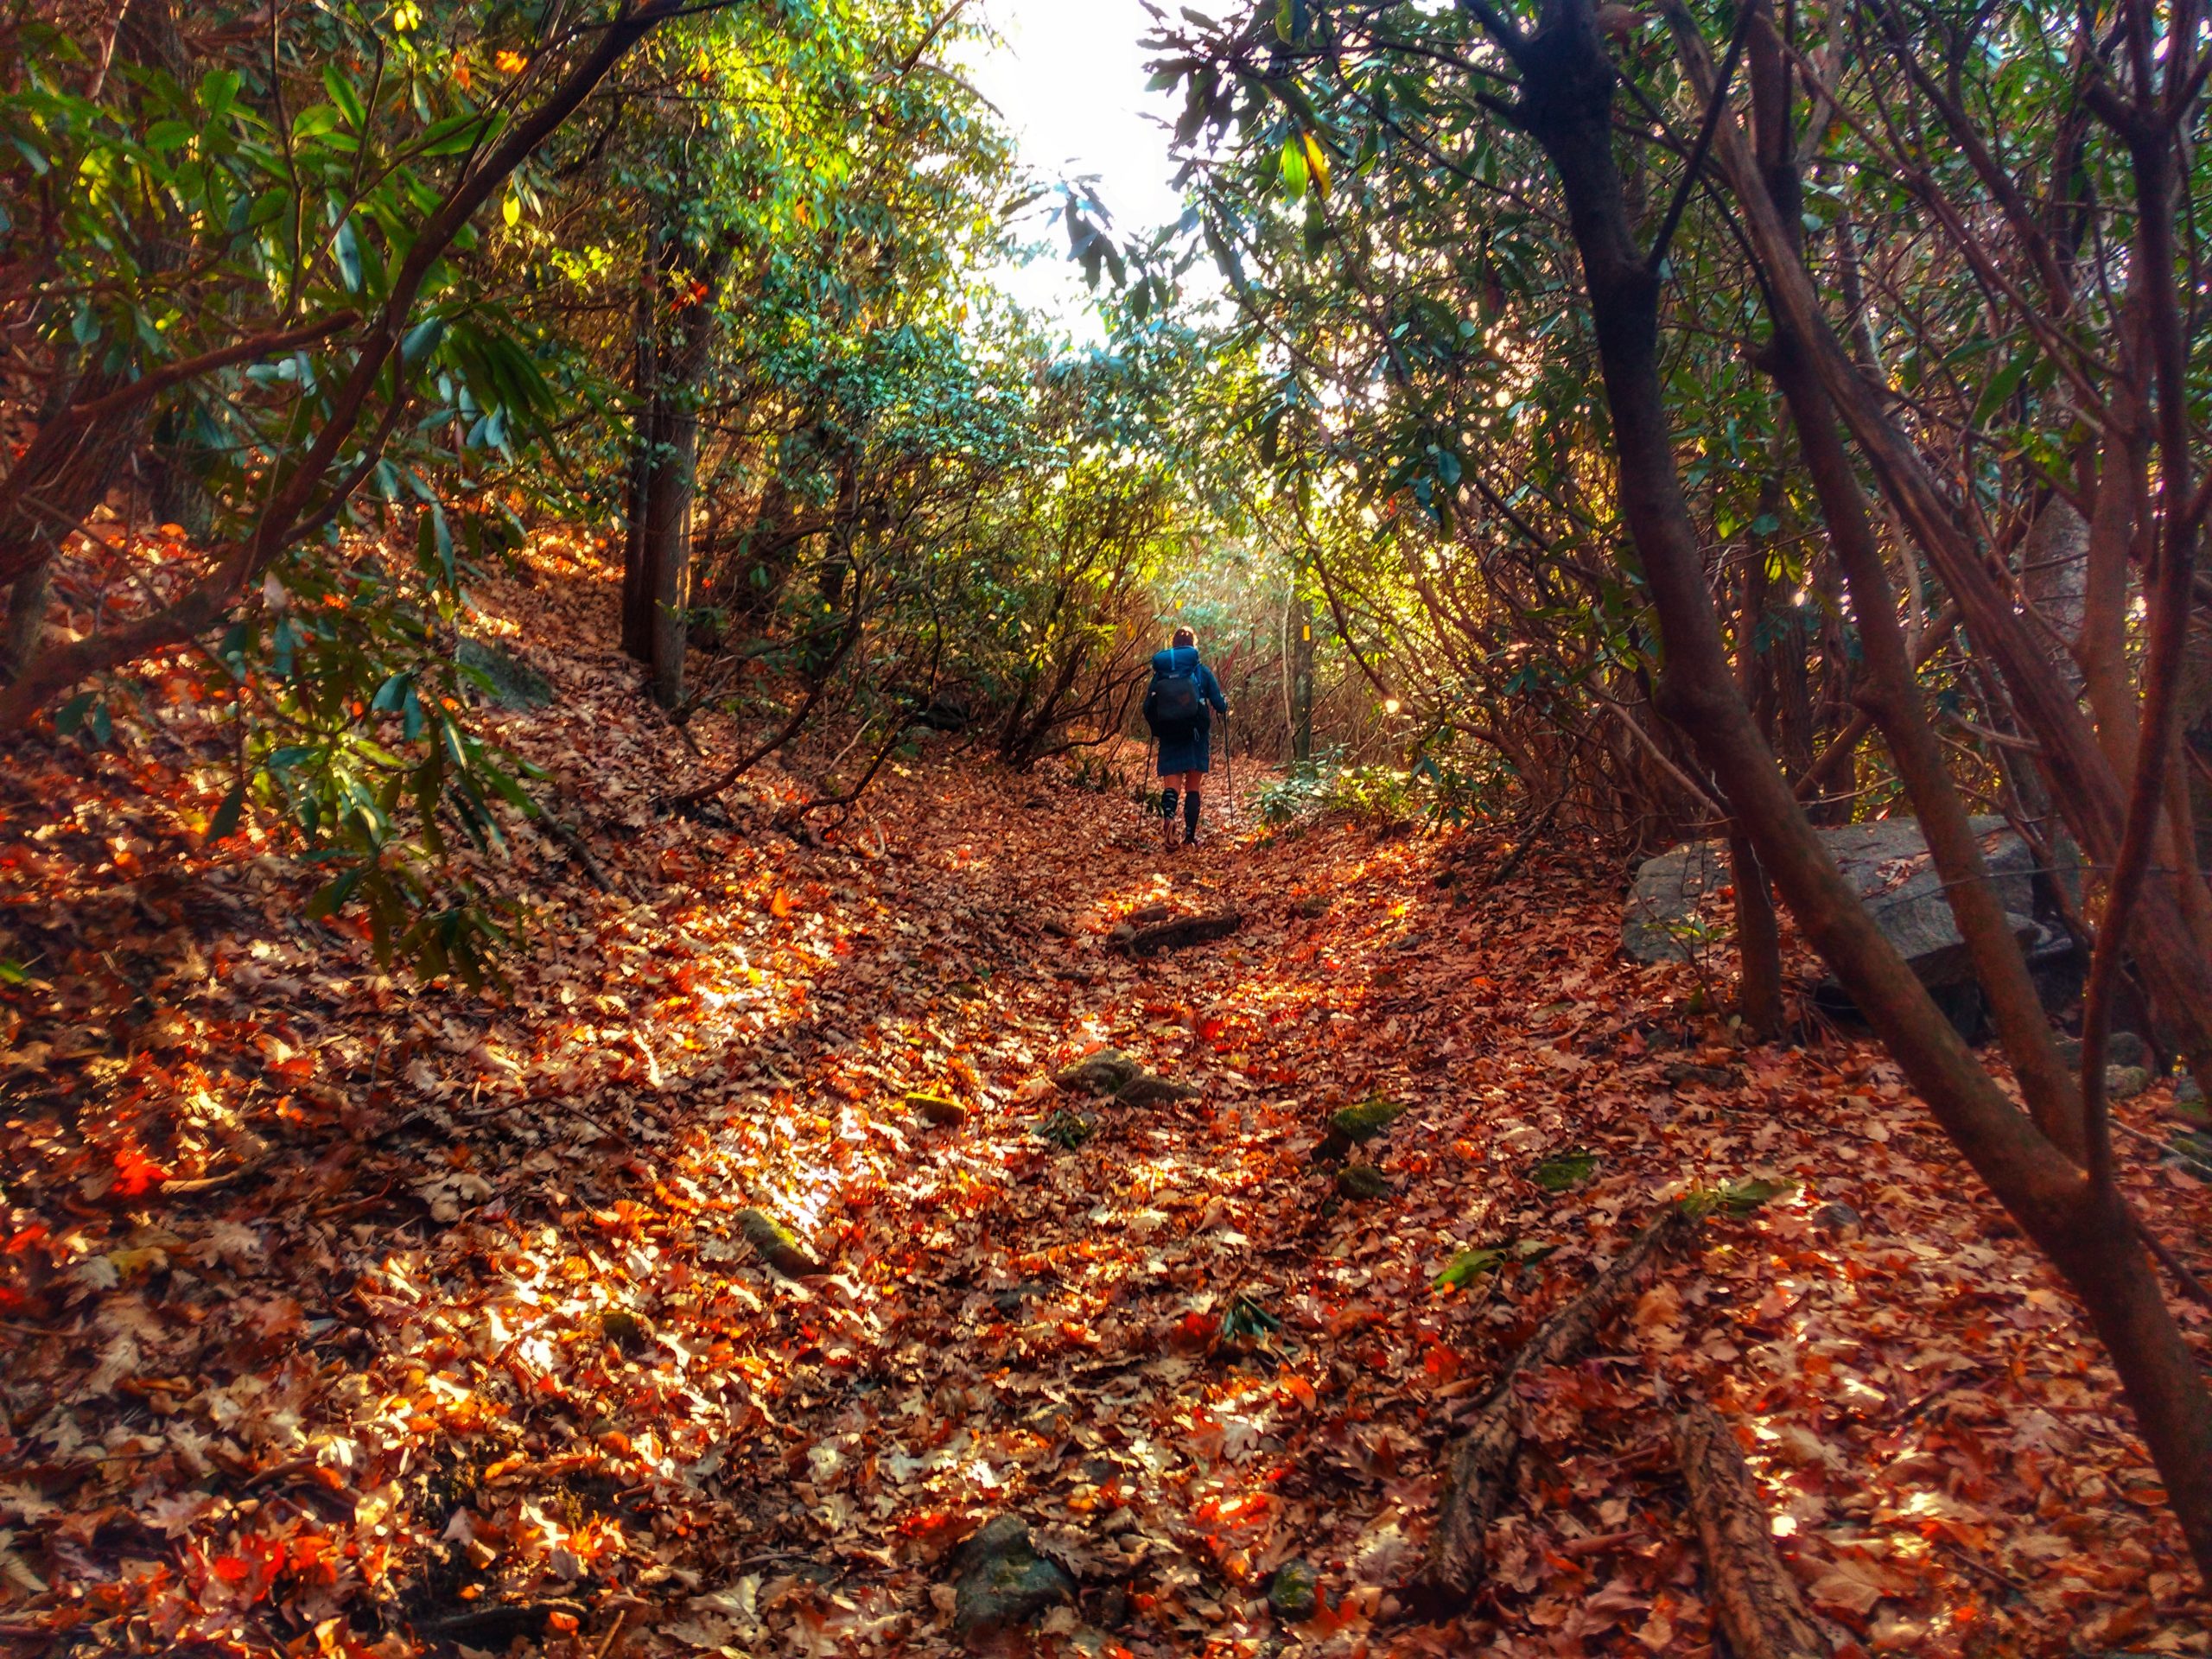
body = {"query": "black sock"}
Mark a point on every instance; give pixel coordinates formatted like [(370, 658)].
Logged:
[(1191, 813), (1166, 803)]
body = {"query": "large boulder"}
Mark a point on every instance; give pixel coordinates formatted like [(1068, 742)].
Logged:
[(1889, 864)]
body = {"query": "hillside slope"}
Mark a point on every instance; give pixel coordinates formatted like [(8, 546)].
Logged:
[(346, 1317)]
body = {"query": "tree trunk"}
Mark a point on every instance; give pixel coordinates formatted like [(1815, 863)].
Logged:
[(668, 548), (1567, 107), (1759, 943), (645, 438), (1891, 695), (27, 600), (682, 356)]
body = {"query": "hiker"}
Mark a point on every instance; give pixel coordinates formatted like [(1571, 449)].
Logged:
[(1179, 706)]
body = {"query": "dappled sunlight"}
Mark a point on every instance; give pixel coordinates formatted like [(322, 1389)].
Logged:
[(560, 1350)]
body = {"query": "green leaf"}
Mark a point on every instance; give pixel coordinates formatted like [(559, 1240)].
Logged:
[(224, 823), (218, 88), (1292, 163), (1317, 160), (2003, 385), (346, 246), (69, 719), (1469, 1265), (342, 93)]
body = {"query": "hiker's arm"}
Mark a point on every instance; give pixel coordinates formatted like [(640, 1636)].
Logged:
[(1214, 693)]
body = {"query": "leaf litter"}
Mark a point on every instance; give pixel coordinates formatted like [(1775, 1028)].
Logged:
[(707, 1287)]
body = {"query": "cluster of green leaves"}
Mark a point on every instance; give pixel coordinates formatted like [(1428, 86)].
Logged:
[(271, 194)]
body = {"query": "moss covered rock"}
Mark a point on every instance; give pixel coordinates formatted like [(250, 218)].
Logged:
[(779, 1246), (1106, 1072), (1362, 1181), (1004, 1583), (1294, 1592), (937, 1108)]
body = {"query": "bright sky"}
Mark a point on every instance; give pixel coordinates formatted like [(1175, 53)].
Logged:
[(1070, 79)]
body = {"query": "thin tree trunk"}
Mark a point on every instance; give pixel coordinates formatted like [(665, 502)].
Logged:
[(636, 604), (1759, 943)]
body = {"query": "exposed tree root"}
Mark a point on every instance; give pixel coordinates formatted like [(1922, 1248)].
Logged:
[(1752, 1592), (1187, 930), (1480, 1469)]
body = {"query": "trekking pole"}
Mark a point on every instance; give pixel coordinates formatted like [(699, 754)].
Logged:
[(1228, 766)]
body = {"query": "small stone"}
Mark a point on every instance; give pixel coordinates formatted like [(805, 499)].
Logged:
[(1362, 1181), (1837, 1216), (1003, 1582), (946, 1114), (1294, 1592), (2126, 1081), (1106, 1072)]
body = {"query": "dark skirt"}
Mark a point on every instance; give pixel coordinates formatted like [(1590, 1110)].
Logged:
[(1193, 753)]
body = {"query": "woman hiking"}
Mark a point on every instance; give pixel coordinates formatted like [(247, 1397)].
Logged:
[(1180, 706)]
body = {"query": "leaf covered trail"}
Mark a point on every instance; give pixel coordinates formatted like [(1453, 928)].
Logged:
[(337, 1312)]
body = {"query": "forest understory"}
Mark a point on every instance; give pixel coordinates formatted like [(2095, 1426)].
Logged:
[(640, 1308)]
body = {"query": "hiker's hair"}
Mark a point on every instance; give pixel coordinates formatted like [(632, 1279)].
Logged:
[(1186, 637)]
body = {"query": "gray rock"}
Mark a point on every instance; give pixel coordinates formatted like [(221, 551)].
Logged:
[(2121, 1048), (508, 682), (2126, 1081), (1887, 861), (1106, 1072), (1837, 1216), (1003, 1581), (2188, 1092), (1663, 904)]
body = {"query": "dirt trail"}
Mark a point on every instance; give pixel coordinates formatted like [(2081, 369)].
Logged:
[(468, 1337)]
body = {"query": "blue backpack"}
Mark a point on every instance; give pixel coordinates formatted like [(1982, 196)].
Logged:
[(1173, 706)]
